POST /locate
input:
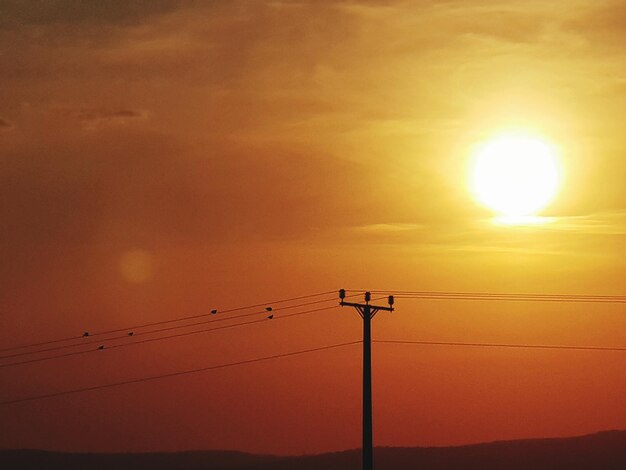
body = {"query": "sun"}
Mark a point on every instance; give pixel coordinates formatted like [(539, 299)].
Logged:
[(514, 175)]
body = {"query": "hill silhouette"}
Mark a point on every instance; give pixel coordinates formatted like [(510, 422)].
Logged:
[(604, 450)]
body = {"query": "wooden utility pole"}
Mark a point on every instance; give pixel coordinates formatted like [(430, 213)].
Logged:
[(367, 312)]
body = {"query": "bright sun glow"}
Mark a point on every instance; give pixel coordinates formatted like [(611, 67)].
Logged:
[(516, 176)]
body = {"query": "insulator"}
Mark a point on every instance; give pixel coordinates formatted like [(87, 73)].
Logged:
[(390, 300), (368, 296), (342, 294)]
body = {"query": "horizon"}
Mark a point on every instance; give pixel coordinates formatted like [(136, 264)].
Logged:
[(354, 449)]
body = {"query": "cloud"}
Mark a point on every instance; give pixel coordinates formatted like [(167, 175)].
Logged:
[(388, 228), (603, 25), (606, 232), (95, 118), (507, 26), (289, 105), (5, 125), (603, 223), (124, 186), (19, 13)]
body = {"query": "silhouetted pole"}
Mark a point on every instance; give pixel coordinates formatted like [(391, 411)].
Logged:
[(367, 312), (368, 441)]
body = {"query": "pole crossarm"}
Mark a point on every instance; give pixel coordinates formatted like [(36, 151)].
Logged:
[(360, 306)]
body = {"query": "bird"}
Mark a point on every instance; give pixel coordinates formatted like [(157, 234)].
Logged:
[(269, 309), (130, 333), (270, 316), (214, 311), (86, 333), (100, 348)]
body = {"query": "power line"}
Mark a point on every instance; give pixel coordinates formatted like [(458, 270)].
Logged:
[(513, 295), (425, 295), (510, 299), (503, 345), (162, 322), (526, 297), (524, 294), (170, 328), (160, 338), (176, 374), (92, 350)]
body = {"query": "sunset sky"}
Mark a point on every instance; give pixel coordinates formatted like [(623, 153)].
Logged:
[(160, 158)]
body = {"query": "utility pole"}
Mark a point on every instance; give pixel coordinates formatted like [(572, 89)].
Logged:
[(367, 312)]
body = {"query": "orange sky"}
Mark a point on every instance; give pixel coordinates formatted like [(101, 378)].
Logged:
[(159, 158)]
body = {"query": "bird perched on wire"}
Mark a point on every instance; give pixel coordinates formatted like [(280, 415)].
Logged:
[(270, 316), (100, 348), (214, 311), (269, 309), (131, 333), (86, 333)]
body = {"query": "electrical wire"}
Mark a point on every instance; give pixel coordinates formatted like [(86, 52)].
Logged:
[(170, 328), (160, 338), (437, 295), (426, 295), (510, 299), (162, 322), (525, 294), (503, 345), (177, 374)]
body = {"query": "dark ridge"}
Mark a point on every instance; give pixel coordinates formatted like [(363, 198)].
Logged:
[(189, 460), (603, 450)]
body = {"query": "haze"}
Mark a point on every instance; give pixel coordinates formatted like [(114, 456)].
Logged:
[(163, 158)]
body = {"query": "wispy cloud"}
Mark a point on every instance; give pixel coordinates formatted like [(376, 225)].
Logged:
[(95, 118), (5, 125), (388, 228), (602, 223), (18, 13)]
